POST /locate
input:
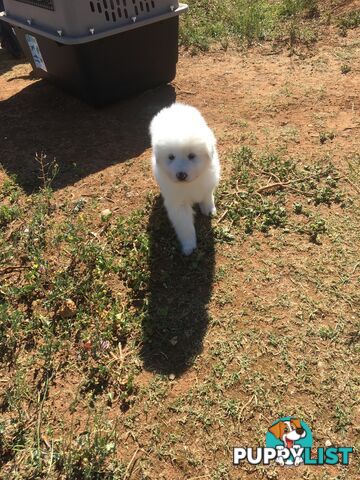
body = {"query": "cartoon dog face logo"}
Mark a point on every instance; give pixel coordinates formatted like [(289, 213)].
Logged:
[(288, 431)]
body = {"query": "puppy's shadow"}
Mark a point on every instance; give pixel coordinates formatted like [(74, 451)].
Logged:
[(180, 290)]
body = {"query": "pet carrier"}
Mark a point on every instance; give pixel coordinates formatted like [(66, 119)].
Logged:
[(99, 50)]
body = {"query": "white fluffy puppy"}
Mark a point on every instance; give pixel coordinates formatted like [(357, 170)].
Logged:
[(186, 166)]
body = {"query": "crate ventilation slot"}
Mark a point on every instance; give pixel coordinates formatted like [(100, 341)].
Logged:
[(47, 4), (115, 10)]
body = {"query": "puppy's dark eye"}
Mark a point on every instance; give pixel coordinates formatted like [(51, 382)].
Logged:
[(171, 157), (191, 156)]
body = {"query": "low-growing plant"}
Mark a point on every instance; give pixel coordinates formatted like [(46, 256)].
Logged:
[(345, 69), (348, 21), (8, 213), (255, 196), (325, 136), (90, 455)]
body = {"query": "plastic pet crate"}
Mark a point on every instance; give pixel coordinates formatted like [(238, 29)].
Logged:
[(100, 50)]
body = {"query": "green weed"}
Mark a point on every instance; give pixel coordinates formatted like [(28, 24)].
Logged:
[(345, 69), (325, 136)]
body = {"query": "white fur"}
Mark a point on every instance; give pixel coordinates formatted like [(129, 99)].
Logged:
[(179, 131)]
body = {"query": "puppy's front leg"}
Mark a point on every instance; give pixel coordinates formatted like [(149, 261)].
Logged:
[(207, 206), (182, 218)]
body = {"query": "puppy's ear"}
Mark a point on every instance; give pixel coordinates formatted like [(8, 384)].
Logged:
[(278, 429), (296, 422), (152, 129), (156, 126), (211, 143)]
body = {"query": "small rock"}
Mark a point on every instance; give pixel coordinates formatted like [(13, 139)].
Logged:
[(172, 376), (106, 214), (328, 443), (68, 309)]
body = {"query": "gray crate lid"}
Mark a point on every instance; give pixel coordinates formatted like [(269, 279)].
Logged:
[(81, 21)]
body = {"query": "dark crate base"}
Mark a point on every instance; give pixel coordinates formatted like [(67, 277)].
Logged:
[(115, 67)]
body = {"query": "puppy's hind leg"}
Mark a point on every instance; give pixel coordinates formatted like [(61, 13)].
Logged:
[(182, 218), (207, 206)]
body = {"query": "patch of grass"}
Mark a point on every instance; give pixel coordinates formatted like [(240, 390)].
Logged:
[(348, 21), (89, 456), (307, 8), (52, 305), (85, 302), (8, 214), (10, 189), (256, 199), (245, 21), (342, 418)]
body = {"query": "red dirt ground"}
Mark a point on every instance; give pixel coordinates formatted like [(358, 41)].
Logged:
[(259, 98)]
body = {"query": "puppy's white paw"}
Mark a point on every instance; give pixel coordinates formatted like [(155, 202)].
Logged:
[(188, 248), (208, 209)]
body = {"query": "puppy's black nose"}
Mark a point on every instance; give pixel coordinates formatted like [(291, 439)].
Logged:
[(300, 431), (182, 176)]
